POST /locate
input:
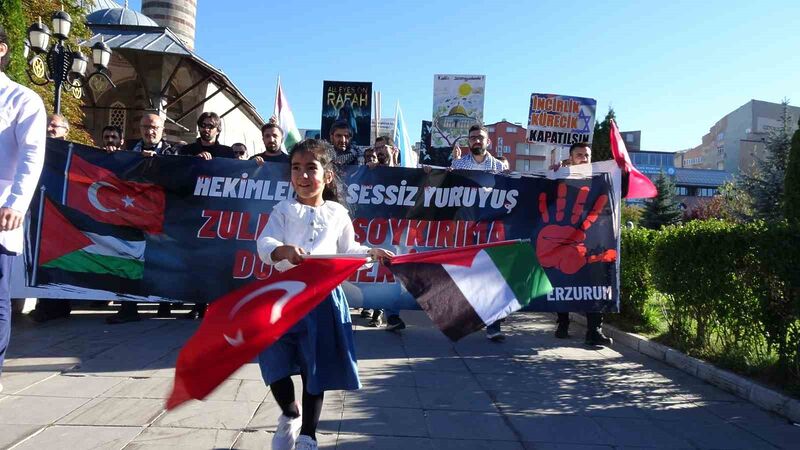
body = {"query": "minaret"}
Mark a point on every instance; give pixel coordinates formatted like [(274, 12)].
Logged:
[(177, 15)]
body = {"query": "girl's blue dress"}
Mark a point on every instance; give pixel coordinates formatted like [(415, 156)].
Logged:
[(320, 346)]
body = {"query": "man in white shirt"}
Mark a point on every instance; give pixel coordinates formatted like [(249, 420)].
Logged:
[(22, 144)]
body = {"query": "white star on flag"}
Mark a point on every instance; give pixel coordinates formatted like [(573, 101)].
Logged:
[(128, 201)]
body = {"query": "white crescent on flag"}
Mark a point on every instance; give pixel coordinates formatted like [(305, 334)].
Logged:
[(93, 191), (291, 288)]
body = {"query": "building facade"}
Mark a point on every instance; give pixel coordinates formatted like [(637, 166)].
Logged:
[(735, 140), (510, 140)]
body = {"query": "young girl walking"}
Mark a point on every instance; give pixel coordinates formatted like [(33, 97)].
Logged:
[(320, 347)]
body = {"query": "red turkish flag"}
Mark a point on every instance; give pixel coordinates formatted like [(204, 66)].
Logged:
[(639, 186), (241, 324), (103, 196)]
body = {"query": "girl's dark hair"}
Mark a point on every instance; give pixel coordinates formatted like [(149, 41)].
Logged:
[(323, 154)]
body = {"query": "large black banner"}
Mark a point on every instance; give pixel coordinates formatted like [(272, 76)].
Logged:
[(185, 229)]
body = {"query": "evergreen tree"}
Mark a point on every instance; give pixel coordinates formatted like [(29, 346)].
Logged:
[(663, 209), (765, 183), (601, 140), (792, 180)]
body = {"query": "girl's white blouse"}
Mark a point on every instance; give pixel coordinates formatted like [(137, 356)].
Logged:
[(321, 230)]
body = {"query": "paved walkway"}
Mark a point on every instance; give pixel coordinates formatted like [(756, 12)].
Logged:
[(81, 384)]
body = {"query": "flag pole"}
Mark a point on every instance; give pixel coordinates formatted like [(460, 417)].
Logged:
[(66, 174), (38, 235)]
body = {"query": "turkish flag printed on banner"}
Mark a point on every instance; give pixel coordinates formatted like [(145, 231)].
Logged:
[(103, 196), (241, 324)]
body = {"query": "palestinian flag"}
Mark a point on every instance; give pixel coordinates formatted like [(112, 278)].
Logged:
[(72, 242), (283, 113), (464, 289)]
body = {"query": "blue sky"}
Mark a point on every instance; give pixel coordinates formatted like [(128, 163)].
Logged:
[(670, 69)]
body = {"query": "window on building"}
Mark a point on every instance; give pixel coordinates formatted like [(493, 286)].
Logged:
[(706, 192), (681, 190), (629, 137), (523, 149), (118, 115), (511, 129), (491, 129), (523, 165)]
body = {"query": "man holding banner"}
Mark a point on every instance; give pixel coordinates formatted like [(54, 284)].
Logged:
[(479, 158), (22, 144)]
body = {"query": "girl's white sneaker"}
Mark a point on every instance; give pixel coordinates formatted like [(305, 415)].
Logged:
[(286, 433), (305, 443)]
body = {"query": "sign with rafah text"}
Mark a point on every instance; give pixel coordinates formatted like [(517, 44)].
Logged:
[(185, 229)]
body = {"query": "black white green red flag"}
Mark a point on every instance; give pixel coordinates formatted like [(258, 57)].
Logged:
[(464, 289)]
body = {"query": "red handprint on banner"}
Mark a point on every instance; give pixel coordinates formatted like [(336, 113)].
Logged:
[(562, 246)]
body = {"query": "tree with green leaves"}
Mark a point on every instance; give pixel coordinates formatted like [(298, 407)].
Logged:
[(16, 16), (764, 184), (791, 184), (664, 209), (601, 140)]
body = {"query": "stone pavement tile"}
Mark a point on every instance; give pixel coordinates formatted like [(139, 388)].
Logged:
[(448, 381), (249, 371), (209, 414), (388, 377), (391, 397), (41, 363), (640, 433), (10, 434), (116, 411), (395, 364), (682, 411), (585, 403), (141, 388), (266, 416), (559, 429), (361, 442), (155, 438), (718, 435), (459, 444), (72, 386), (784, 435), (383, 421), (16, 410), (14, 382), (743, 413), (438, 364), (262, 440), (464, 400), (493, 364), (707, 392), (468, 425), (240, 390), (78, 437), (553, 446)]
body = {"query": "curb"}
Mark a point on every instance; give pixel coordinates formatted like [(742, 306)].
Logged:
[(738, 385)]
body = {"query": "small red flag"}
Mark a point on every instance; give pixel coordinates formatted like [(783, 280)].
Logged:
[(241, 324), (59, 236), (639, 186), (103, 196)]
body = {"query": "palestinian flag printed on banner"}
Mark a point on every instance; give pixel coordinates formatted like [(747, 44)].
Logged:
[(464, 289), (73, 242)]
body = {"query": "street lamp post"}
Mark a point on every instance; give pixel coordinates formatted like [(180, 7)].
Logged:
[(59, 63)]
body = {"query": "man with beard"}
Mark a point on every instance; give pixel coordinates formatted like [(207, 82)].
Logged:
[(479, 158), (207, 146), (272, 136), (341, 137), (112, 138), (581, 153), (151, 126)]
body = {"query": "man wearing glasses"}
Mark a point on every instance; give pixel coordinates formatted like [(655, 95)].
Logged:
[(57, 126), (207, 146), (152, 143), (239, 150)]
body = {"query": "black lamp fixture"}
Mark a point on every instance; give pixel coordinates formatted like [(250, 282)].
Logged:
[(59, 63)]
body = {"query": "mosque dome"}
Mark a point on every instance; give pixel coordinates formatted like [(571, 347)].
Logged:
[(97, 5), (118, 16), (458, 110)]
